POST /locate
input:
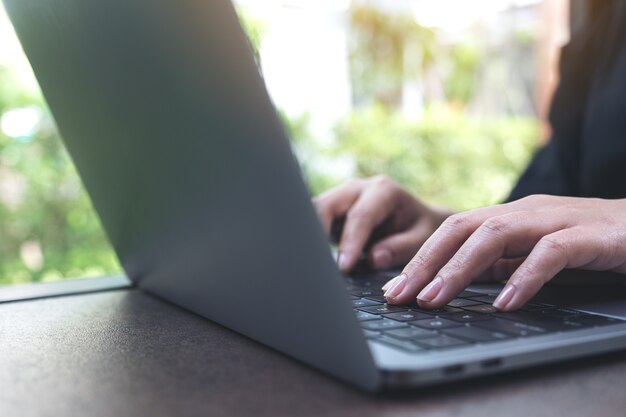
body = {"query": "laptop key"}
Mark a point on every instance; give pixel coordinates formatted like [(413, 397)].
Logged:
[(440, 342), (531, 306), (399, 344), (481, 308), (542, 320), (468, 317), (573, 324), (560, 312), (462, 302), (378, 298), (374, 276), (524, 316), (594, 320), (382, 324), (476, 334), (484, 298), (436, 323), (363, 316), (446, 310), (367, 292), (411, 333), (363, 302), (511, 327), (371, 334), (363, 283), (407, 316), (383, 309), (468, 293), (568, 323)]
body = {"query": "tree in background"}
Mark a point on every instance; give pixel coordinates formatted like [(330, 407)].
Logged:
[(385, 50)]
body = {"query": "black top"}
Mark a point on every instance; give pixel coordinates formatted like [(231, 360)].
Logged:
[(586, 155)]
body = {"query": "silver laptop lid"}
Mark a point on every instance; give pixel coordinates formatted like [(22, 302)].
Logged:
[(169, 123)]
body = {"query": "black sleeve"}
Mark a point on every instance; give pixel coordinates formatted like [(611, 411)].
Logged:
[(545, 175), (555, 169)]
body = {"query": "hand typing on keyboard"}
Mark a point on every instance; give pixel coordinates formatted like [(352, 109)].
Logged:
[(527, 241)]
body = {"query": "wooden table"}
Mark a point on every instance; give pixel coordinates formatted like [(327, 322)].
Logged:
[(120, 352)]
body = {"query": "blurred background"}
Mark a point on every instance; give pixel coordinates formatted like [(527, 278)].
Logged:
[(448, 97)]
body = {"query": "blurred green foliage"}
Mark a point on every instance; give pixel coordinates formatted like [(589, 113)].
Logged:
[(48, 228), (461, 81), (446, 158), (385, 50)]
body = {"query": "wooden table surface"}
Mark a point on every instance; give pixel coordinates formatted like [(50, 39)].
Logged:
[(124, 353)]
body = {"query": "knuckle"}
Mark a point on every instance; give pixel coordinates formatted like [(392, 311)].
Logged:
[(553, 244), (495, 226), (455, 221), (452, 268)]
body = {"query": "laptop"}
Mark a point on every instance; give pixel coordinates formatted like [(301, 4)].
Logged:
[(166, 116)]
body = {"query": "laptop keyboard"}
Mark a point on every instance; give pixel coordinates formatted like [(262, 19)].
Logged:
[(468, 319)]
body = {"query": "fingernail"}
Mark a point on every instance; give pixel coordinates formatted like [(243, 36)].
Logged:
[(391, 283), (430, 292), (342, 261), (504, 297), (397, 287), (382, 258)]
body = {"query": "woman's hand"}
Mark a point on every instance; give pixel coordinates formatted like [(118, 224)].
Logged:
[(529, 240), (378, 217)]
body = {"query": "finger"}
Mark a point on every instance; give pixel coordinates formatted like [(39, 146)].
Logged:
[(508, 235), (336, 202), (372, 207), (397, 249), (501, 270), (568, 248), (434, 254)]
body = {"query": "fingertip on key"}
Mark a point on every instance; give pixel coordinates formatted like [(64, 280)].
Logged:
[(504, 298), (430, 292), (391, 283), (395, 289)]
